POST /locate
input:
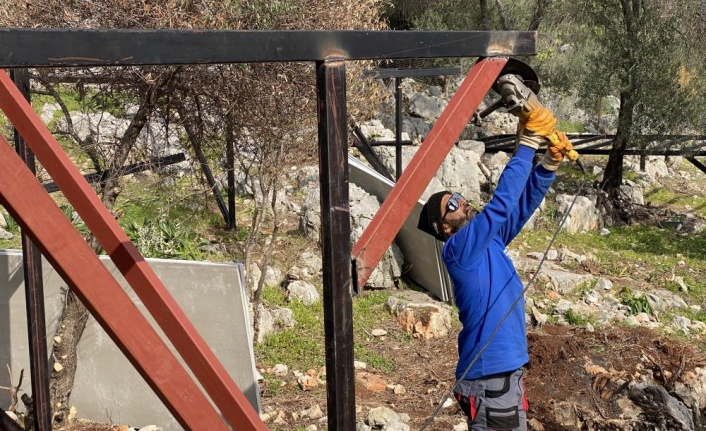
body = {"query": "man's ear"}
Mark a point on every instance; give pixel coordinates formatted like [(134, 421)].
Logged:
[(447, 229)]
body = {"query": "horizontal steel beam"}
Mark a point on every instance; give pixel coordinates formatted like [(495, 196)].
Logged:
[(21, 47)]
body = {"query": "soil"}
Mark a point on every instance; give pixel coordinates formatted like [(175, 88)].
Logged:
[(559, 356)]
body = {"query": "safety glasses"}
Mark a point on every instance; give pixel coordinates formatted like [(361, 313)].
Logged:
[(453, 204)]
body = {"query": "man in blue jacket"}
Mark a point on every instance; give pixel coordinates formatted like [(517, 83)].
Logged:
[(493, 348)]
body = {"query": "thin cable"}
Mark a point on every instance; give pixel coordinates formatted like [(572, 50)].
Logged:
[(514, 304)]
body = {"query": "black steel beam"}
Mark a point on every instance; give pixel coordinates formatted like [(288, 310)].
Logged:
[(628, 152), (335, 243), (366, 150), (398, 128), (700, 166), (411, 73), (21, 47), (34, 294), (389, 143), (127, 170)]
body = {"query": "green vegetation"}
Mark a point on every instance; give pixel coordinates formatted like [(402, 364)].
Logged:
[(662, 196), (636, 303), (575, 319), (302, 347)]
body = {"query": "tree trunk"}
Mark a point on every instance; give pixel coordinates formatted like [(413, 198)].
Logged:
[(484, 22), (503, 16), (69, 330), (539, 11), (74, 315), (609, 200), (68, 333)]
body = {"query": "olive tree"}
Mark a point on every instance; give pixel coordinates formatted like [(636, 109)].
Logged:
[(640, 52)]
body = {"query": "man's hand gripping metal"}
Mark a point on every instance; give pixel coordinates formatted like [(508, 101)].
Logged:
[(535, 119)]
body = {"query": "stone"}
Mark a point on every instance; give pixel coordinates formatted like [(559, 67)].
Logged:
[(419, 315), (313, 412), (280, 370), (378, 332), (380, 416), (358, 365), (307, 383), (371, 382), (302, 291)]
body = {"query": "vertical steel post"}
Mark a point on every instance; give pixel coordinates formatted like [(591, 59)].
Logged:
[(398, 128), (335, 241), (34, 293)]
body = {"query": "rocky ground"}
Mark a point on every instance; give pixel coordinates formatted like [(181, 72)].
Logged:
[(613, 377), (575, 375)]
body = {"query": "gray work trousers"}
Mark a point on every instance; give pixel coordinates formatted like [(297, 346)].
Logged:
[(496, 402)]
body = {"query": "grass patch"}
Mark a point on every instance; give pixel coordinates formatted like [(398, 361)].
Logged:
[(575, 319), (664, 197), (302, 347), (369, 313), (636, 303)]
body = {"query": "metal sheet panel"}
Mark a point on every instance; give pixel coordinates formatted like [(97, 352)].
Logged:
[(421, 251), (107, 387)]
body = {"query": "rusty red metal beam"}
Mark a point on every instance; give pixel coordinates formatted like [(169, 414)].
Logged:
[(50, 230), (404, 195), (169, 316)]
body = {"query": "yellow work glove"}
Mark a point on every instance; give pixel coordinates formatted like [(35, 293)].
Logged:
[(555, 152), (540, 121), (535, 125)]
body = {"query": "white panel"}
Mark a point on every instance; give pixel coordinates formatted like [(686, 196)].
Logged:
[(420, 249), (107, 387)]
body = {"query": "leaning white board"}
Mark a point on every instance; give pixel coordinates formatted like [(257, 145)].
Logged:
[(421, 251), (107, 388)]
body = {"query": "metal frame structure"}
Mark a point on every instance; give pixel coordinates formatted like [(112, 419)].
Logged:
[(40, 219), (398, 74), (689, 146)]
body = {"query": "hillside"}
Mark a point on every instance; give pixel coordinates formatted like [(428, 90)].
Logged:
[(616, 314), (586, 373)]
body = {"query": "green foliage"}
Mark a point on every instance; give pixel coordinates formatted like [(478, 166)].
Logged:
[(699, 315), (301, 347), (663, 196), (575, 319), (12, 225), (164, 237), (369, 311), (571, 127), (75, 220), (636, 303)]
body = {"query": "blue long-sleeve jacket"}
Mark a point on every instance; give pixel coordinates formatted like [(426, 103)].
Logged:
[(484, 278)]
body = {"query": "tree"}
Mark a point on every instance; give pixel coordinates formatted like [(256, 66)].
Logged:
[(147, 87), (262, 114), (638, 51)]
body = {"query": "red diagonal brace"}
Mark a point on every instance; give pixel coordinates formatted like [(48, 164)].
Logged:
[(421, 169), (40, 218), (169, 316)]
